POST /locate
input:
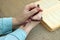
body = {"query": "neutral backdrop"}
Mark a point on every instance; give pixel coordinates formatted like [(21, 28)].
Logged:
[(14, 8)]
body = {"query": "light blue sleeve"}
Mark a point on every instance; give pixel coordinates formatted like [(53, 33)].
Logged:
[(5, 25), (19, 34)]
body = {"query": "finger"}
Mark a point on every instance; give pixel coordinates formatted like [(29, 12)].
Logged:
[(35, 11), (38, 16), (29, 6)]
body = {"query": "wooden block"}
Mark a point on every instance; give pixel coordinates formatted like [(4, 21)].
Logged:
[(50, 14)]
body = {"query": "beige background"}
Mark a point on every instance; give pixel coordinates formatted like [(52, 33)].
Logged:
[(15, 8)]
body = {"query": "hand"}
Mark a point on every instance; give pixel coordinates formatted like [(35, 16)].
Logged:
[(29, 10), (32, 22), (35, 17)]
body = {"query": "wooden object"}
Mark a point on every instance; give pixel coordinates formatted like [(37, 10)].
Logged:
[(50, 14)]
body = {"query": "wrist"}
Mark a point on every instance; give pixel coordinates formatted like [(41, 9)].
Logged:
[(29, 26)]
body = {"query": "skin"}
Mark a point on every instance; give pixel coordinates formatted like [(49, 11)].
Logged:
[(31, 24), (26, 13)]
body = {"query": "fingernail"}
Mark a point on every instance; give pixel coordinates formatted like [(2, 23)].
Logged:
[(39, 9), (38, 5)]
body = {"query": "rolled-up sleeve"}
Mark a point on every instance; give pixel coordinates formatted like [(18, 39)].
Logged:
[(5, 25), (19, 34)]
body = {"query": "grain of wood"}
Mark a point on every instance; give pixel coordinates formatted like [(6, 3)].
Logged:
[(50, 14)]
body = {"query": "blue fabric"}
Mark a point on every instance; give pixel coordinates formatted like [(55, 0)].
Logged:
[(5, 25), (19, 34)]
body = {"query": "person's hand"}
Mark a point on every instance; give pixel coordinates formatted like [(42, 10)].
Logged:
[(29, 10), (32, 22), (35, 17)]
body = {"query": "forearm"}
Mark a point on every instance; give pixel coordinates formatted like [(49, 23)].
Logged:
[(29, 26)]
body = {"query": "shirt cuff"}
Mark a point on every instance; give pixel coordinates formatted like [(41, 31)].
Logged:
[(19, 34), (6, 25)]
